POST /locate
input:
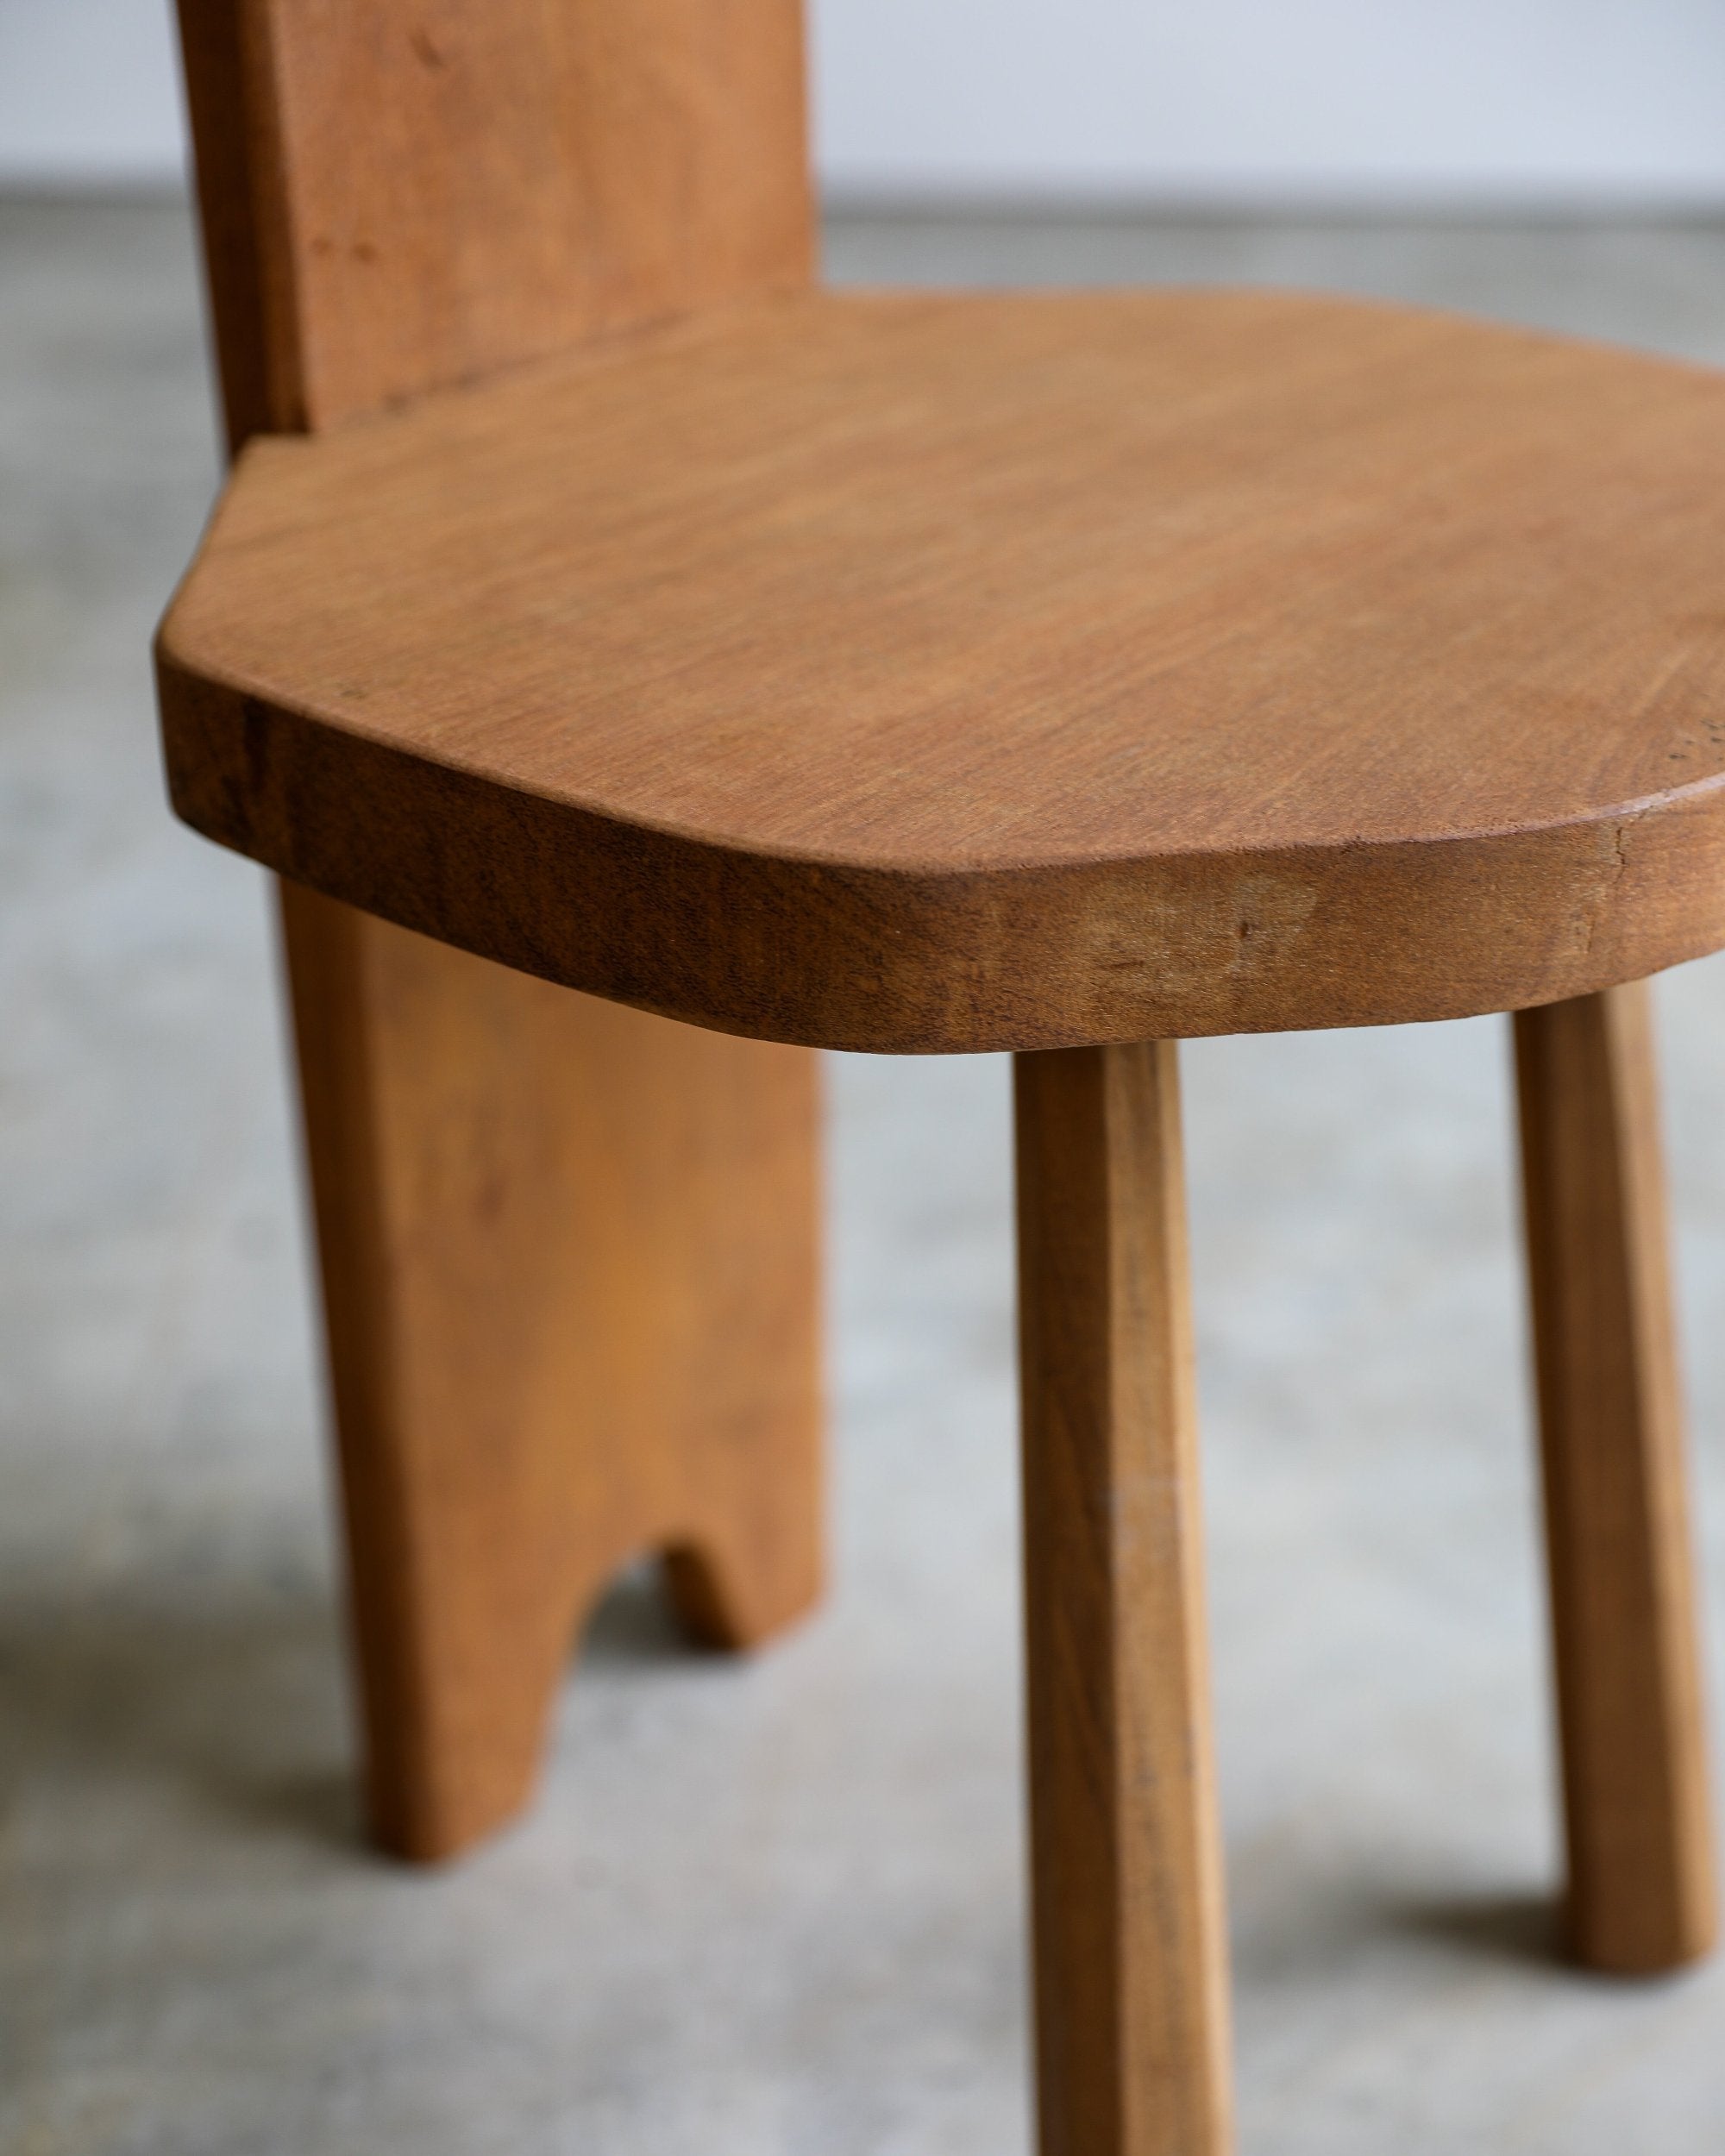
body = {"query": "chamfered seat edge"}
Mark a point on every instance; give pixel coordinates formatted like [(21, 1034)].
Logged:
[(886, 960), (414, 661)]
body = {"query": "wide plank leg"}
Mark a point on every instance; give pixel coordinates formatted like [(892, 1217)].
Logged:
[(1637, 1806), (571, 1282), (1127, 1915)]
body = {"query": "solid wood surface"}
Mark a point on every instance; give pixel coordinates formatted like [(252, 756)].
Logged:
[(573, 1316), (406, 196), (917, 673), (907, 672), (570, 1253), (1127, 1906), (1638, 1808)]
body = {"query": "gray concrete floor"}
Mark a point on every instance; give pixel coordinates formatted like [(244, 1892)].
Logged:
[(770, 1909)]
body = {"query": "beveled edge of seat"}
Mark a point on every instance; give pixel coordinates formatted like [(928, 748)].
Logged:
[(907, 961)]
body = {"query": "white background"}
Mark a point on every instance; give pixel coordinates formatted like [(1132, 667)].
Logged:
[(1326, 101)]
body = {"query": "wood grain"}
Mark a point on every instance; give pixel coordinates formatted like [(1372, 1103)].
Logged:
[(905, 673), (406, 197), (943, 673), (571, 1318), (1127, 1916), (1637, 1801), (571, 1254)]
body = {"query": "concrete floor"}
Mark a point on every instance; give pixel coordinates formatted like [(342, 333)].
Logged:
[(770, 1909)]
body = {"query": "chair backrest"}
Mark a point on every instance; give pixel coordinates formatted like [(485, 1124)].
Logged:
[(400, 195)]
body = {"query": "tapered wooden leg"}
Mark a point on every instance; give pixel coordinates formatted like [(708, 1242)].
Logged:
[(1130, 1964), (1636, 1802), (569, 1257)]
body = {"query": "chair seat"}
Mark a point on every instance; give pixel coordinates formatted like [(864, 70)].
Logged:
[(917, 672)]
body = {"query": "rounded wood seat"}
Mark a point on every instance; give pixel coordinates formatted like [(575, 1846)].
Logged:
[(914, 672)]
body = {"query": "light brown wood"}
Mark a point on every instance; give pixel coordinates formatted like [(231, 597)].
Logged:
[(572, 1317), (1128, 1906), (904, 673), (570, 1252), (1637, 1803), (408, 195), (942, 673)]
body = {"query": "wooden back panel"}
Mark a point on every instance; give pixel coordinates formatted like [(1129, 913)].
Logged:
[(399, 195)]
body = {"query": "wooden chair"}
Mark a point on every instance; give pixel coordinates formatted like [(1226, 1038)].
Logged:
[(597, 606)]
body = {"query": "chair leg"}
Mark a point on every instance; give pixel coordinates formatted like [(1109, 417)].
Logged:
[(1637, 1810), (569, 1258), (1127, 1917)]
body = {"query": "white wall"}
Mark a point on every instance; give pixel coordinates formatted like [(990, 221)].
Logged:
[(1541, 100), (89, 91), (1229, 100)]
